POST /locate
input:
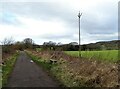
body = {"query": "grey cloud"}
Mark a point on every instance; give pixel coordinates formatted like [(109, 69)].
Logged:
[(56, 36), (104, 37), (92, 25), (47, 11), (35, 9), (90, 21), (41, 10)]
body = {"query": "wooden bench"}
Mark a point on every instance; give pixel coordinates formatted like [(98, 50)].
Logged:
[(53, 61)]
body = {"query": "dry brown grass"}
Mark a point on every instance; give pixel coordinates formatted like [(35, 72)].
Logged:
[(92, 73)]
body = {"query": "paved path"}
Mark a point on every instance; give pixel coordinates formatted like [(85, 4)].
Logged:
[(28, 74)]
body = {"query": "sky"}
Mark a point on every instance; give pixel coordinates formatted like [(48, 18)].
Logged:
[(57, 20)]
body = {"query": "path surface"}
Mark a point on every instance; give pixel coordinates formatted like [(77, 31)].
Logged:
[(28, 74)]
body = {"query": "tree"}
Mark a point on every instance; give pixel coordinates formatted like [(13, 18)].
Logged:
[(28, 42), (7, 45), (83, 47), (8, 41), (19, 45), (49, 45)]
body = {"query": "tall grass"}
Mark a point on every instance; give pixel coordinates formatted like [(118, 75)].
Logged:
[(106, 55)]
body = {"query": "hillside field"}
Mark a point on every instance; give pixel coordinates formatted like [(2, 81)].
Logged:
[(106, 55)]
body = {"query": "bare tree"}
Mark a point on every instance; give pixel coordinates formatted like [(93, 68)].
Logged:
[(8, 41), (6, 45)]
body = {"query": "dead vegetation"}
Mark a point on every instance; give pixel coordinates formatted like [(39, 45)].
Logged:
[(82, 72)]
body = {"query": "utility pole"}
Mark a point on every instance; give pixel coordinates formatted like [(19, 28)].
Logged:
[(79, 15)]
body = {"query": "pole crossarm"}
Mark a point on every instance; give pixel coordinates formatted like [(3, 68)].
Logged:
[(80, 14)]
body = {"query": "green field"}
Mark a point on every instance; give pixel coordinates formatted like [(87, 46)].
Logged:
[(106, 55)]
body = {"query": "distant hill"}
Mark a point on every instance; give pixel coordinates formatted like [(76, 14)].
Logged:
[(103, 45), (73, 46)]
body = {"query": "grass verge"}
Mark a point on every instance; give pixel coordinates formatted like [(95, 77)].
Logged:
[(7, 68), (57, 70), (78, 73)]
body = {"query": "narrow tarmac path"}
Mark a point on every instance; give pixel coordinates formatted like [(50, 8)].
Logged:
[(28, 74)]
